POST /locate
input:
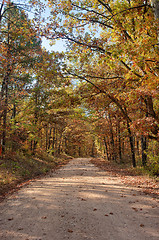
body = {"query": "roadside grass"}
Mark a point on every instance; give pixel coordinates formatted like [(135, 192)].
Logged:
[(18, 169)]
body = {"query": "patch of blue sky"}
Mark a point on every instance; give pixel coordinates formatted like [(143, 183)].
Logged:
[(57, 45)]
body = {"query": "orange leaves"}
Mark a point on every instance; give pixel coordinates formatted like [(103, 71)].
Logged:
[(145, 126)]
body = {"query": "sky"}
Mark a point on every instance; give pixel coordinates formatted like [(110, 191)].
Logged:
[(59, 45)]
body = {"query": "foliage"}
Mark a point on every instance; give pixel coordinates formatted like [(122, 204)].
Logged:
[(18, 168), (113, 53), (100, 97), (153, 158)]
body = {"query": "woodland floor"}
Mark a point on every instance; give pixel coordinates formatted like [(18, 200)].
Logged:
[(81, 201)]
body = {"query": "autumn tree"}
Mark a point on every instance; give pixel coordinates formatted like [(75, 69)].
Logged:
[(121, 37), (19, 44)]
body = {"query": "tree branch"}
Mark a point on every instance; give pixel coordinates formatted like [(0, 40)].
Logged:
[(95, 47), (91, 20), (111, 97), (90, 11)]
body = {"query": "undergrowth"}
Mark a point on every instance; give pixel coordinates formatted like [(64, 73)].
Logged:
[(17, 168)]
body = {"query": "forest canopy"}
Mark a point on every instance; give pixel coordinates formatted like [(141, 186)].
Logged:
[(98, 98)]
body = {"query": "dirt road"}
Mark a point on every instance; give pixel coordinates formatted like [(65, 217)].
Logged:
[(79, 202)]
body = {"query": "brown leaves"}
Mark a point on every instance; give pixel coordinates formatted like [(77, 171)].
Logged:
[(135, 209), (146, 185), (20, 229), (82, 199), (111, 213), (123, 196), (142, 225)]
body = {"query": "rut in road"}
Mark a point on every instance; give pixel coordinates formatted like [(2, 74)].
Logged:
[(79, 202)]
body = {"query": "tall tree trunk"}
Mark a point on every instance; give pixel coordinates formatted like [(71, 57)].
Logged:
[(5, 118), (93, 149), (66, 147), (1, 12), (119, 143), (4, 100), (36, 114), (14, 132), (4, 95), (79, 151), (131, 145), (155, 5), (49, 140), (59, 145), (137, 147), (144, 148), (106, 148), (34, 145), (123, 147), (112, 138), (46, 139), (53, 139)]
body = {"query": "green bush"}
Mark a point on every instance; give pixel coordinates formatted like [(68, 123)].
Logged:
[(153, 164)]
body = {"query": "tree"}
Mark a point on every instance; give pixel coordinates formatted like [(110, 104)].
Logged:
[(18, 38), (121, 37)]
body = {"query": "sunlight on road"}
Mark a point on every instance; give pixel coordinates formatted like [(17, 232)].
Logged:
[(79, 202)]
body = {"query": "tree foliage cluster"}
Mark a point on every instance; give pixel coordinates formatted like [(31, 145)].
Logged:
[(111, 107), (113, 52), (37, 103)]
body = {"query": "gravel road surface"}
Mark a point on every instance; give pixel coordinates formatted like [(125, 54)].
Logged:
[(79, 202)]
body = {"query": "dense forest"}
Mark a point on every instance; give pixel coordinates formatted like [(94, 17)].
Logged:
[(98, 98)]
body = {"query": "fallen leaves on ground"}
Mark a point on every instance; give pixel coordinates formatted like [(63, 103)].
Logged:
[(70, 231), (142, 225), (144, 183)]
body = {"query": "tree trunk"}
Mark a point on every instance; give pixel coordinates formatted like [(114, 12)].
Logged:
[(112, 138), (59, 144), (1, 12), (79, 151), (4, 94), (4, 90), (131, 145), (119, 143), (93, 150), (106, 148), (155, 5), (137, 146), (144, 148), (49, 140), (53, 140), (46, 139), (34, 145)]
